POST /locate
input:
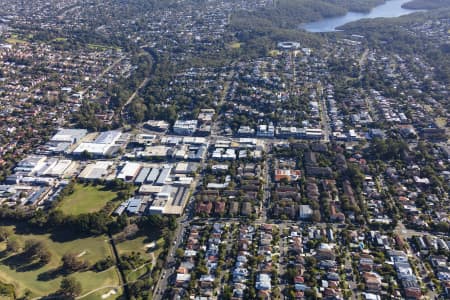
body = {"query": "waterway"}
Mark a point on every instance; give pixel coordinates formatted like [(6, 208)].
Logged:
[(390, 9)]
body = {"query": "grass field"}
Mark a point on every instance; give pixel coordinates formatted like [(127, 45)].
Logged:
[(91, 249), (140, 244), (441, 122), (98, 295), (274, 52), (59, 39), (101, 47), (235, 45), (15, 41), (86, 199)]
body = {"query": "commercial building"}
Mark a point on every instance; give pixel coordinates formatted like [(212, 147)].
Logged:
[(288, 45), (160, 126), (187, 127)]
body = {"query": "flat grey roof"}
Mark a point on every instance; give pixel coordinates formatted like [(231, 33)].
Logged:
[(153, 175)]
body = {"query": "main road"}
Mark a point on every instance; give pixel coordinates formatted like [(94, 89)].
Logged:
[(168, 268)]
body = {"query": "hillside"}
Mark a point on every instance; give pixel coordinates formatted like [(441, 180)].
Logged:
[(426, 4)]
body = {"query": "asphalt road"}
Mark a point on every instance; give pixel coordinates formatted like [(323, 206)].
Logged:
[(168, 269)]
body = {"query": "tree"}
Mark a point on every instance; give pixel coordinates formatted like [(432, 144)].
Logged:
[(35, 249), (316, 216), (443, 227), (56, 218), (70, 287), (13, 246), (103, 264), (355, 175), (179, 253), (72, 262), (227, 292), (5, 233), (45, 256)]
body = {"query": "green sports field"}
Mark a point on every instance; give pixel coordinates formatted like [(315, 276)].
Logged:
[(86, 199)]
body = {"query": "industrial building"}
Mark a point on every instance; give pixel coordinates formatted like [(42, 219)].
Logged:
[(154, 152), (152, 176), (30, 165), (97, 170), (185, 168), (60, 168), (133, 206), (142, 176), (171, 200), (108, 137), (103, 145), (163, 176), (129, 171), (71, 136)]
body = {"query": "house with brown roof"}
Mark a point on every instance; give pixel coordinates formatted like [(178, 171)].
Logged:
[(204, 207), (372, 281), (219, 207), (413, 293), (326, 254), (234, 208), (246, 209), (289, 175), (299, 279)]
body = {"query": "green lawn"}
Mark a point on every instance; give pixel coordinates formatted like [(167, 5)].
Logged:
[(98, 295), (98, 47), (441, 122), (235, 45), (59, 39), (274, 52), (86, 199), (91, 249), (142, 244), (15, 41)]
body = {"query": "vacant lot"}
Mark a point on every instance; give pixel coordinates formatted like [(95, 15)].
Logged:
[(86, 199), (37, 281)]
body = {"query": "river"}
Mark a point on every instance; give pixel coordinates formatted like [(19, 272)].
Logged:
[(390, 9)]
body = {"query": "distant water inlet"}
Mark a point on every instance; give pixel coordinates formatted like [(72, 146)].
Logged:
[(390, 9)]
